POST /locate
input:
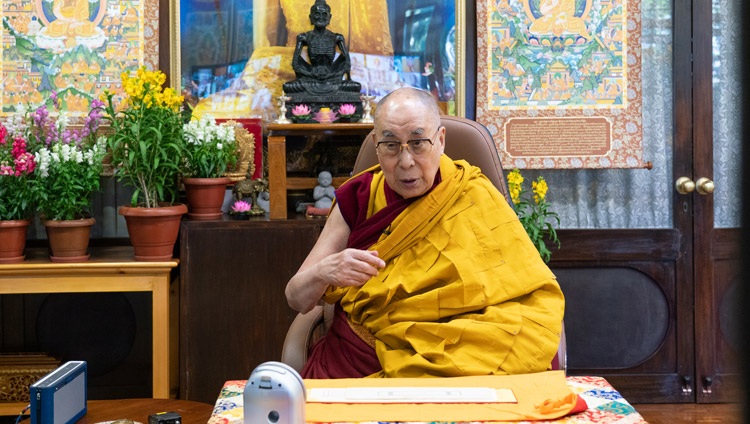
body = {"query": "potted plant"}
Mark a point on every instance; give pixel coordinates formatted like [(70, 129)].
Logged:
[(533, 212), (147, 148), (69, 165), (209, 149), (17, 197)]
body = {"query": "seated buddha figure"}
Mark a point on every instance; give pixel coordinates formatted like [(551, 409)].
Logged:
[(559, 18), (72, 19), (324, 73)]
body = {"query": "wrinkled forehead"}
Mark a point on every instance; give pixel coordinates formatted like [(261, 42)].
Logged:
[(414, 123)]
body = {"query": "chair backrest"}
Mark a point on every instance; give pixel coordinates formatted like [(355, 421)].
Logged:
[(464, 139)]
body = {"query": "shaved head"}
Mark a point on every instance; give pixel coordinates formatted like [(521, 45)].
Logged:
[(410, 94)]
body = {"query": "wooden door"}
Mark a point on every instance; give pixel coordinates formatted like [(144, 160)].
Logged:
[(716, 236), (650, 308)]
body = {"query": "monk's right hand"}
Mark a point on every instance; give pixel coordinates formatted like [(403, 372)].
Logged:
[(350, 267)]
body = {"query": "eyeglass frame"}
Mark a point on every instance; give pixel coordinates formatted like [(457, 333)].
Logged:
[(403, 146)]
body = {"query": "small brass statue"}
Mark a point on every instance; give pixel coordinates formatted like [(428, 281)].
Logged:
[(253, 189)]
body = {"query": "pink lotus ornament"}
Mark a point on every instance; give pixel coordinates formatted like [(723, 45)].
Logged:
[(347, 110), (301, 112), (325, 115), (241, 206)]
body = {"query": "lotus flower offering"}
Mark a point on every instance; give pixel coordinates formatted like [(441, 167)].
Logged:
[(325, 115)]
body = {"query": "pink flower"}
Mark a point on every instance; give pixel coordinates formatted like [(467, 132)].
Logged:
[(241, 206), (347, 109), (301, 110)]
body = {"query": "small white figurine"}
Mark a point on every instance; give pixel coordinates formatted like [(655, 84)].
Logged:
[(324, 192)]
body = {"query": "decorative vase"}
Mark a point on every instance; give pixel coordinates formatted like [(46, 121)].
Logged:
[(69, 239), (205, 197), (13, 240), (153, 231)]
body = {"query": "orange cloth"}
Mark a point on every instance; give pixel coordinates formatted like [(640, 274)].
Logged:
[(540, 396)]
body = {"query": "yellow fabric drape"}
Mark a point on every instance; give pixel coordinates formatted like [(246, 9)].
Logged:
[(463, 292)]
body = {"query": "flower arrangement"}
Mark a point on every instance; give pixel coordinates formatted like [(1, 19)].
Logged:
[(17, 166), (146, 142), (533, 212), (69, 162), (301, 112), (210, 148)]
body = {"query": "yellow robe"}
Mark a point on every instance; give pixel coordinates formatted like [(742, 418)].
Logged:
[(464, 291)]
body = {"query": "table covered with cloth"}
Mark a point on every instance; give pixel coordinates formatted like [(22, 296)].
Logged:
[(604, 404)]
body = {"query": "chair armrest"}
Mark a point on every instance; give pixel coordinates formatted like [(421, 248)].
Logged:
[(298, 337)]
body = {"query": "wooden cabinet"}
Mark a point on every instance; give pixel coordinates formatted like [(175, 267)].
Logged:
[(278, 181), (233, 312)]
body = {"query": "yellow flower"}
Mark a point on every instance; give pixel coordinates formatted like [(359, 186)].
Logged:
[(515, 179), (539, 187)]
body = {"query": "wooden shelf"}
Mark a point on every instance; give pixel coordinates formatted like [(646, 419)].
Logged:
[(278, 183)]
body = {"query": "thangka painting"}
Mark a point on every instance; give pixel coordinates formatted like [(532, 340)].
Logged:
[(559, 82), (74, 48)]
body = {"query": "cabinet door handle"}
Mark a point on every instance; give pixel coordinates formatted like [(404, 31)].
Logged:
[(687, 385), (704, 186), (707, 382), (684, 185)]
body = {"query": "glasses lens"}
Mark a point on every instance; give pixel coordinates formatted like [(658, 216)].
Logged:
[(418, 147), (389, 148)]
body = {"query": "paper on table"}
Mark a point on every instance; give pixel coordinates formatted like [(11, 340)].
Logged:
[(410, 395)]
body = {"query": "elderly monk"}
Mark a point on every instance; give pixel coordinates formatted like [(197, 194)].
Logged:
[(431, 272)]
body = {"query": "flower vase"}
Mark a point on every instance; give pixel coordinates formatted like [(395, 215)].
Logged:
[(205, 196), (13, 240), (153, 231), (69, 239)]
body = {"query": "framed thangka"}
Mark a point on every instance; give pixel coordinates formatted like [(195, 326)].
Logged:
[(231, 57), (559, 82), (74, 48)]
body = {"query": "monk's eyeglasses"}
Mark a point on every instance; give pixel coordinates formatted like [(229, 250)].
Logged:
[(415, 146)]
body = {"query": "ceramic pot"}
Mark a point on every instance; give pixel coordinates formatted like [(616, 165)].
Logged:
[(13, 240), (153, 231), (205, 197), (69, 239)]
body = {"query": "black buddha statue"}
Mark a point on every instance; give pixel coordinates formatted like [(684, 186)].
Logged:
[(323, 80)]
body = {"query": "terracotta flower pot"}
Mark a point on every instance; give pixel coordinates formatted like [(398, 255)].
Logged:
[(153, 231), (13, 240), (69, 239), (205, 197)]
